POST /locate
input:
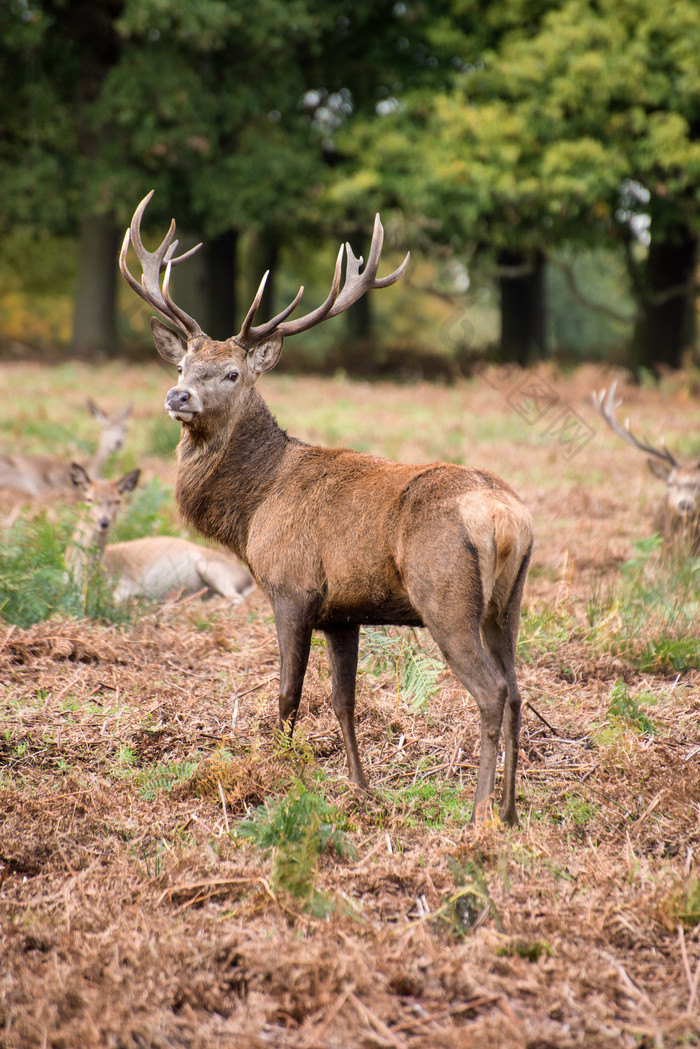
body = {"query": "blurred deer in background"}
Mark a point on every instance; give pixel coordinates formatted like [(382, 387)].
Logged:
[(338, 538), (37, 474), (152, 567), (678, 516)]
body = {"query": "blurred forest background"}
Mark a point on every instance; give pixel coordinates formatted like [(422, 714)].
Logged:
[(540, 158)]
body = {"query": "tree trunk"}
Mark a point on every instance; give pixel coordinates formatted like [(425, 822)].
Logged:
[(523, 307), (264, 256), (665, 325), (220, 268), (94, 321)]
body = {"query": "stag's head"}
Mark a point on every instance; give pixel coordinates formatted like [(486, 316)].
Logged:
[(682, 487), (216, 377), (680, 512)]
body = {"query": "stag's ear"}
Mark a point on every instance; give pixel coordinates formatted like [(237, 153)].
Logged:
[(128, 482), (265, 354), (659, 469), (171, 346), (78, 477)]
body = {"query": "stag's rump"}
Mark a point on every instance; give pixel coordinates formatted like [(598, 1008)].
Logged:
[(464, 538)]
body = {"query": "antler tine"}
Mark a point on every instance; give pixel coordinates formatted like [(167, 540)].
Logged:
[(244, 333), (356, 283), (153, 263), (355, 286), (251, 334), (607, 406), (322, 311)]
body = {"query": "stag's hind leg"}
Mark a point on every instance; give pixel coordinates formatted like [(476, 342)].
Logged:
[(452, 609), (473, 667), (500, 633), (502, 651)]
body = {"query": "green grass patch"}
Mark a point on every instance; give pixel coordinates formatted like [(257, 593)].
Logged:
[(628, 708), (651, 617), (33, 583), (543, 631), (432, 805)]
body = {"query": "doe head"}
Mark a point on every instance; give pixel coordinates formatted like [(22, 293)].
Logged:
[(102, 498)]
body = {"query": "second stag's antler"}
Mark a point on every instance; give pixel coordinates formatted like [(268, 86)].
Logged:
[(356, 284), (607, 406)]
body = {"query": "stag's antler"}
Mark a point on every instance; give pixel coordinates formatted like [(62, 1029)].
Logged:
[(607, 405), (153, 263), (355, 286)]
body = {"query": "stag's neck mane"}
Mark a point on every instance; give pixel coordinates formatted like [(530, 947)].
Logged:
[(224, 477)]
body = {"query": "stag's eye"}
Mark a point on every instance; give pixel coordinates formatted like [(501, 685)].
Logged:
[(232, 376), (179, 369)]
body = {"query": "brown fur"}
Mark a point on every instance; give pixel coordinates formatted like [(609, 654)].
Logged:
[(337, 538)]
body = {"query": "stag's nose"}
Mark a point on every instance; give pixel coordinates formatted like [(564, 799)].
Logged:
[(686, 506), (103, 524), (176, 398)]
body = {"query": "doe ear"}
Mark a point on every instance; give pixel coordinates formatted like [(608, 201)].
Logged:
[(265, 354), (128, 482), (170, 345), (78, 477), (96, 411), (659, 469)]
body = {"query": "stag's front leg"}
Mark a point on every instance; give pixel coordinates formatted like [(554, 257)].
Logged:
[(293, 626), (343, 644)]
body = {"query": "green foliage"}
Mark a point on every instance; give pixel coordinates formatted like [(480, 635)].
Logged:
[(657, 610), (33, 582), (591, 309), (163, 437), (415, 671), (144, 514), (686, 904), (432, 804), (164, 777), (531, 950), (299, 828), (627, 708), (542, 631)]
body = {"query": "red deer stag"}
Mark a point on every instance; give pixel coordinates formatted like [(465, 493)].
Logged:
[(678, 516), (337, 538)]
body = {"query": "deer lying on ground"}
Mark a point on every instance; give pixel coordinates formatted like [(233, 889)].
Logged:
[(153, 567), (337, 538), (36, 475), (677, 518)]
